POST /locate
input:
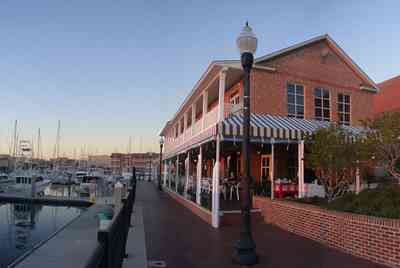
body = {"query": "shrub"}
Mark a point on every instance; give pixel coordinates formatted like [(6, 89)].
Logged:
[(380, 202)]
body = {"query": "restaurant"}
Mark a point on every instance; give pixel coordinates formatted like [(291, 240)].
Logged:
[(294, 92)]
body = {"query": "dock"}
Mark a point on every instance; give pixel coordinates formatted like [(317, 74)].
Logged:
[(46, 200)]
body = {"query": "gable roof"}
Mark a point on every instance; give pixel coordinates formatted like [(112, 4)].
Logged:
[(388, 97), (369, 83)]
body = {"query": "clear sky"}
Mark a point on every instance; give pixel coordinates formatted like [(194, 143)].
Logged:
[(113, 69)]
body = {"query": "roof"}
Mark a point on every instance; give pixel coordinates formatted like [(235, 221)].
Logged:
[(368, 85), (388, 97), (333, 45)]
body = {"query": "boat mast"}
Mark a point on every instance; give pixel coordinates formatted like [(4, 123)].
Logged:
[(15, 139), (39, 146)]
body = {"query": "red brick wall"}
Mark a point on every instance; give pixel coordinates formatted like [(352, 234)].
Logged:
[(375, 239)]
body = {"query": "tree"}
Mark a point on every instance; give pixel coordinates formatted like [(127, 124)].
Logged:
[(383, 141), (334, 154)]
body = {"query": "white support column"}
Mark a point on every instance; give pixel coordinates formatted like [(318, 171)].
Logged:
[(187, 168), (198, 177), (272, 168), (358, 181), (301, 168), (185, 119), (205, 107), (165, 173), (169, 174), (177, 173), (221, 94), (193, 116), (215, 187)]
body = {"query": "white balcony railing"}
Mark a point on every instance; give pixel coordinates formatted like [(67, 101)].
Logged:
[(233, 109), (211, 117)]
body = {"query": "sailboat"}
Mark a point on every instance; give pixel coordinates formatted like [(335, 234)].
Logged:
[(24, 178)]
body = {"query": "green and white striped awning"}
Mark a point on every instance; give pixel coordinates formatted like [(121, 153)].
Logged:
[(278, 127)]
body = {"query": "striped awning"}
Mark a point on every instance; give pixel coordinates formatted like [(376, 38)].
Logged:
[(278, 127)]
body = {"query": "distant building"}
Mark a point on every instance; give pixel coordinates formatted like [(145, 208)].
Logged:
[(388, 98), (102, 161), (124, 162), (63, 163)]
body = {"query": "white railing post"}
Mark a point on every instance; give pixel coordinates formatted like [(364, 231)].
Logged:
[(177, 173), (193, 117), (301, 168), (198, 179), (221, 94), (165, 173), (215, 187), (272, 168)]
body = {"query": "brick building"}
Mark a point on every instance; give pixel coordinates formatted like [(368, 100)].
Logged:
[(294, 91), (388, 98), (121, 163)]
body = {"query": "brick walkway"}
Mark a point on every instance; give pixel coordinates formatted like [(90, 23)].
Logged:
[(183, 240)]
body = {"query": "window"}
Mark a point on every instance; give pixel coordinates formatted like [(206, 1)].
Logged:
[(344, 109), (322, 104), (295, 96)]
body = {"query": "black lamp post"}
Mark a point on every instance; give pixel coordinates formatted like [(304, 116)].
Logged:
[(159, 176), (245, 248)]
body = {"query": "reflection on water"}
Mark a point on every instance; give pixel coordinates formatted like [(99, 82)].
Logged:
[(24, 225)]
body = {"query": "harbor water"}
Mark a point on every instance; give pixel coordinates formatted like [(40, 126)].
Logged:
[(22, 226)]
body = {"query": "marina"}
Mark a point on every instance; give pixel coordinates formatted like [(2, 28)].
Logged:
[(24, 225)]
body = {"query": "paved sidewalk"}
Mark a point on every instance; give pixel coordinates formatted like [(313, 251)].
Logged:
[(183, 240)]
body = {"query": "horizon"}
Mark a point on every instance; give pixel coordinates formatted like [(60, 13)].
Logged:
[(109, 73)]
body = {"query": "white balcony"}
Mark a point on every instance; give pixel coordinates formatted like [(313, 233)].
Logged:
[(233, 109)]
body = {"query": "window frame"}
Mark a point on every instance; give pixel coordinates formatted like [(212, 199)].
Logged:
[(296, 105), (322, 98), (343, 112)]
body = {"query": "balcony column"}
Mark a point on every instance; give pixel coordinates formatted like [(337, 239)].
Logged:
[(198, 177), (184, 125), (169, 174), (272, 168), (193, 116), (165, 173), (221, 94), (217, 165), (205, 107), (301, 168), (215, 186), (177, 173), (187, 169)]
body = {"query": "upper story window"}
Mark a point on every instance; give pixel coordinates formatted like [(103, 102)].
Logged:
[(344, 109), (295, 96), (235, 98), (322, 104)]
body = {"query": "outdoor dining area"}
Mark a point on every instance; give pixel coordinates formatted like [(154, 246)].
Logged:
[(279, 162)]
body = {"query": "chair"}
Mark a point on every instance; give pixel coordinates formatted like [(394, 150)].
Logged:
[(234, 187)]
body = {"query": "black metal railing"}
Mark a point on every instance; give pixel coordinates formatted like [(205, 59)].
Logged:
[(110, 250)]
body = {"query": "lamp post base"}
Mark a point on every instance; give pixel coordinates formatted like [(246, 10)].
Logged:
[(245, 252)]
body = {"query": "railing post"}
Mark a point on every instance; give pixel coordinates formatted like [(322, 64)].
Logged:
[(103, 238)]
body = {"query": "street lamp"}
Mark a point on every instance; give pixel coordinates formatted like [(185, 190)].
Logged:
[(245, 248), (159, 176)]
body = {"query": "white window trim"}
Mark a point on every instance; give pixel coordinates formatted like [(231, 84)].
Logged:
[(350, 103), (295, 104), (322, 105)]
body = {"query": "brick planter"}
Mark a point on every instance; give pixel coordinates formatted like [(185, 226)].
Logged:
[(372, 238)]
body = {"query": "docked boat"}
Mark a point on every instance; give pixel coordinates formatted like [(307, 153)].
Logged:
[(24, 181)]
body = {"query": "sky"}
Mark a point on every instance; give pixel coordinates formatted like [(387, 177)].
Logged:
[(110, 70)]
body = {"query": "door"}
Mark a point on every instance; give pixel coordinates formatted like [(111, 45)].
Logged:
[(266, 167)]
